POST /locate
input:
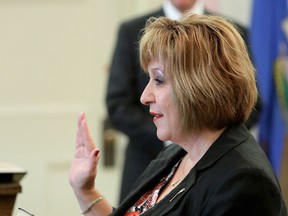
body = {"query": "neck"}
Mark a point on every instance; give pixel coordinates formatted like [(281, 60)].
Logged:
[(173, 12), (197, 145)]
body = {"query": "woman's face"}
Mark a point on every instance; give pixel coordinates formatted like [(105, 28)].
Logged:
[(158, 94)]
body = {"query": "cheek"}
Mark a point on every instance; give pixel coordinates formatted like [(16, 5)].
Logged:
[(172, 111)]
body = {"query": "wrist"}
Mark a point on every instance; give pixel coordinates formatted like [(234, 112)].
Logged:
[(85, 195), (93, 203)]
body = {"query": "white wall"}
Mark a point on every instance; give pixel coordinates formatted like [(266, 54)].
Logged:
[(238, 9), (54, 56)]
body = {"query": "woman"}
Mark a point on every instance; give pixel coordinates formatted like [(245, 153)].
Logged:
[(201, 90)]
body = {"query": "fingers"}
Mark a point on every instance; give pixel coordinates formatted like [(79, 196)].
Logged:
[(83, 134), (86, 136), (79, 136)]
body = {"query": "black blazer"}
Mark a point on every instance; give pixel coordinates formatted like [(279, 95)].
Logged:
[(233, 178)]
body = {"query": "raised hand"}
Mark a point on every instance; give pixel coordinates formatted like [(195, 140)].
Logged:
[(84, 165)]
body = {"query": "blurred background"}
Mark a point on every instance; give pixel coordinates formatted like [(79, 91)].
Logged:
[(54, 60)]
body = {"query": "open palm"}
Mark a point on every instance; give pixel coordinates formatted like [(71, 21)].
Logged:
[(84, 165)]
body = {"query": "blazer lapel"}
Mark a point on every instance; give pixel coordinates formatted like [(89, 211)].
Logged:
[(156, 170), (172, 199)]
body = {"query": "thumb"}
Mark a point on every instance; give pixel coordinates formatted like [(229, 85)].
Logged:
[(94, 156)]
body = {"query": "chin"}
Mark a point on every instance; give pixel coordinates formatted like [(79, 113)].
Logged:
[(163, 137)]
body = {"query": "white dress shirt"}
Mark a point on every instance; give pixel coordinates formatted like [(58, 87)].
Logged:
[(172, 12)]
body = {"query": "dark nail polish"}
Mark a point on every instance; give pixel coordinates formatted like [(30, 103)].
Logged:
[(96, 153)]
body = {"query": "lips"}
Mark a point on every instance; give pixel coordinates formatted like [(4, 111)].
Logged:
[(156, 116)]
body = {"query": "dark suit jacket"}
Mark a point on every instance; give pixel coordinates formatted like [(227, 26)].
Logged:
[(125, 86), (233, 178)]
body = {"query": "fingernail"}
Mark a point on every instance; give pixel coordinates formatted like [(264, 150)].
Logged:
[(96, 153)]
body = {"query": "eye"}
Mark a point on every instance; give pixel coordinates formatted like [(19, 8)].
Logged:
[(158, 80)]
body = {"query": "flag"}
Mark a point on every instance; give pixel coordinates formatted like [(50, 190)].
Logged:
[(269, 31)]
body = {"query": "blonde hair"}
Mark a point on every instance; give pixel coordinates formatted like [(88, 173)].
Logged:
[(209, 67)]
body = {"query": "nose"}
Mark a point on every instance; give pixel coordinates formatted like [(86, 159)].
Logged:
[(147, 96)]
